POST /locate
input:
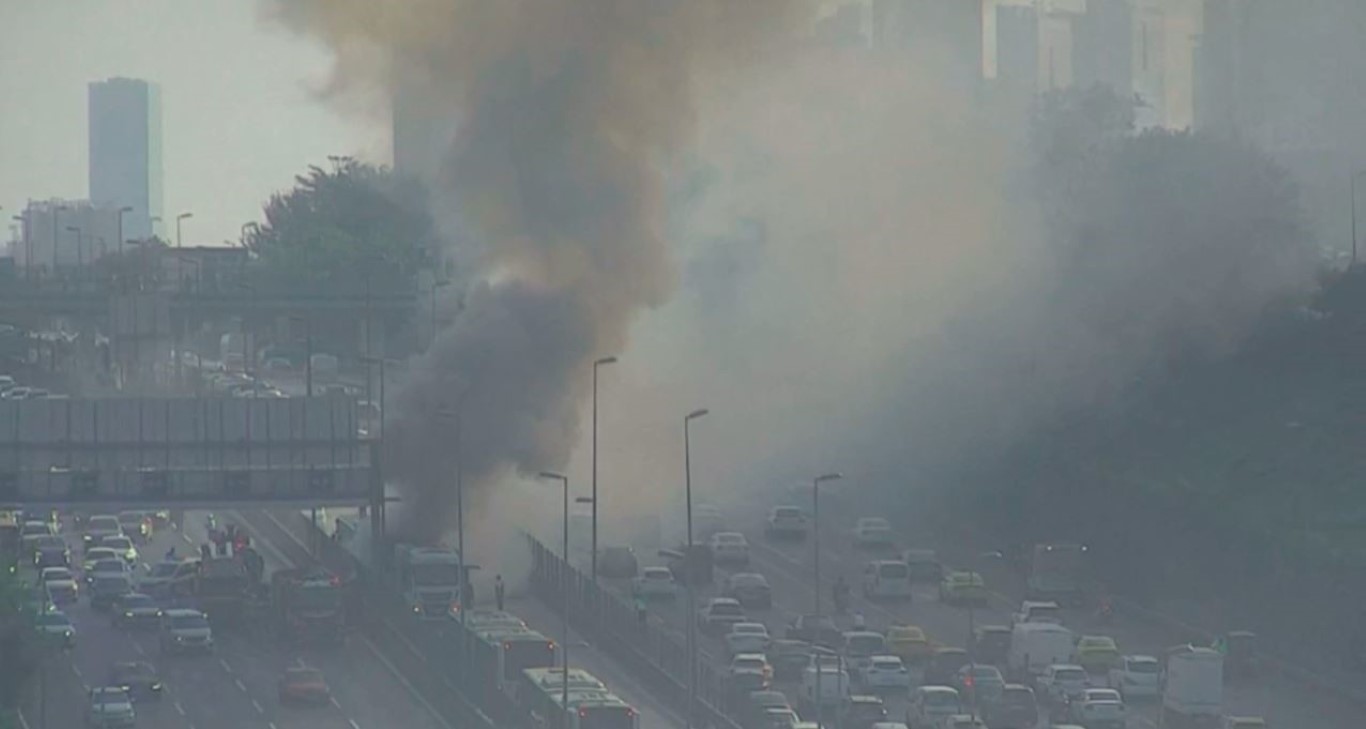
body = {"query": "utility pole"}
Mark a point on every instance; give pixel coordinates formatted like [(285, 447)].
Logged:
[(594, 558), (688, 567)]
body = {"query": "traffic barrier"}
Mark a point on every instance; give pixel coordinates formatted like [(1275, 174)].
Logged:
[(443, 652), (651, 653)]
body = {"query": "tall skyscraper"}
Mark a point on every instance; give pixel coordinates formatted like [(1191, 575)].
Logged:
[(1017, 53), (125, 152), (945, 33)]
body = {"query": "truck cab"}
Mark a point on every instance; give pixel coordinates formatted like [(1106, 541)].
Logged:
[(430, 580)]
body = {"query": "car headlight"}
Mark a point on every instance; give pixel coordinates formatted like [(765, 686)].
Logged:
[(156, 686), (128, 614), (67, 634)]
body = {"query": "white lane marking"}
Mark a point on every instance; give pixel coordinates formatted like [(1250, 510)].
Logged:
[(224, 663), (271, 724), (76, 670), (179, 709), (240, 685), (86, 687), (354, 725), (138, 647), (22, 721), (333, 700), (257, 705), (393, 670), (186, 537)]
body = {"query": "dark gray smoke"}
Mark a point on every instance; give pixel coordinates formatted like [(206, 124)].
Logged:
[(571, 110)]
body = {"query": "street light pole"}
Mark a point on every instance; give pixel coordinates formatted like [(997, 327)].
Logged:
[(816, 568), (122, 210), (458, 415), (564, 585), (435, 285), (55, 210), (688, 564), (79, 258), (594, 559), (28, 243)]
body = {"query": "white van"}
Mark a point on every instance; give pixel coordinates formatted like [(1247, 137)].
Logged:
[(1036, 646), (887, 579), (834, 683)]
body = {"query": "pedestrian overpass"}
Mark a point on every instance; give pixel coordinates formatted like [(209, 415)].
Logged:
[(144, 453)]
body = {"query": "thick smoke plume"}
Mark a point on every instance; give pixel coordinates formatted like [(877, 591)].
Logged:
[(570, 111)]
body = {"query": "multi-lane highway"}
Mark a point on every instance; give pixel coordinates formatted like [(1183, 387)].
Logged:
[(414, 646), (235, 687), (788, 567)]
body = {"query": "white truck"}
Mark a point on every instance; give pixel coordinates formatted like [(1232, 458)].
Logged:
[(429, 579), (826, 684), (1036, 646), (1194, 694)]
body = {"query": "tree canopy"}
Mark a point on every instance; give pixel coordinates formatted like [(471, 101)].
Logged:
[(342, 228)]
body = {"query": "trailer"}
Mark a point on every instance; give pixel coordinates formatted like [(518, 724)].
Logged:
[(590, 705), (1193, 695)]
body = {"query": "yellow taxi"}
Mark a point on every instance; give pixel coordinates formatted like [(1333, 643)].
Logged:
[(909, 643), (962, 587), (1096, 653)]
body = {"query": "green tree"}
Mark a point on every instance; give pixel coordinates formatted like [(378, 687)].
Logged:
[(342, 228)]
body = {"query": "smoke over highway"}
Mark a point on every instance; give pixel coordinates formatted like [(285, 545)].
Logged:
[(570, 112)]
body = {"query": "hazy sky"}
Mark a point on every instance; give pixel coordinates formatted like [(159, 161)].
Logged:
[(239, 108)]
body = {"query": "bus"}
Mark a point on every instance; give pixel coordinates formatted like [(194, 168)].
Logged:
[(590, 706), (499, 656)]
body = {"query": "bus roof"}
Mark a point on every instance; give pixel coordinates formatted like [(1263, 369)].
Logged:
[(548, 679)]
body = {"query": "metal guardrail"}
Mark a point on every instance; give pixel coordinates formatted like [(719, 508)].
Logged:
[(652, 654), (474, 703)]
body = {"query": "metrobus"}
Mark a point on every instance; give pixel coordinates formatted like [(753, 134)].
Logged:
[(499, 655), (590, 706)]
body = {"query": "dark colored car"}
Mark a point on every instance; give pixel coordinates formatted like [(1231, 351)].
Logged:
[(944, 665), (617, 563), (303, 685), (991, 644), (138, 678), (692, 569), (1015, 709), (136, 610), (105, 589), (750, 588), (818, 629), (789, 657)]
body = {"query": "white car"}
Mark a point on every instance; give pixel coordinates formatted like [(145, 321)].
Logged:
[(730, 548), (719, 614), (707, 520), (872, 531), (888, 579), (786, 521), (1136, 676), (1063, 681), (655, 582), (747, 638), (931, 706), (122, 546), (886, 672), (1038, 611), (963, 721)]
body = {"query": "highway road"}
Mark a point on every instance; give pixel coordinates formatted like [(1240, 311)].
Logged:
[(414, 644), (232, 688), (788, 567)]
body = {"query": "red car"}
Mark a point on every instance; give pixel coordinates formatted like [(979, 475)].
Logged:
[(301, 685)]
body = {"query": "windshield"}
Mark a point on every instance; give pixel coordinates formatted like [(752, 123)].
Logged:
[(729, 539), (165, 569), (658, 574), (102, 524), (726, 609), (108, 696), (436, 575), (136, 602), (788, 512), (189, 622), (107, 565), (893, 571), (818, 623), (865, 645), (886, 664), (1070, 674), (751, 628), (136, 670), (319, 598), (1017, 697), (749, 580), (111, 583), (1045, 612), (49, 541), (875, 523), (941, 699), (117, 543), (54, 620), (305, 675), (607, 717), (1143, 667), (753, 664)]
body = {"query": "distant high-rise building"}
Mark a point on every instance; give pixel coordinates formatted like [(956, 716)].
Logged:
[(125, 152), (1017, 52), (1103, 46), (63, 234), (948, 34), (1150, 66)]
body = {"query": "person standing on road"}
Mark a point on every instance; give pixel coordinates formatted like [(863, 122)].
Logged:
[(498, 590)]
